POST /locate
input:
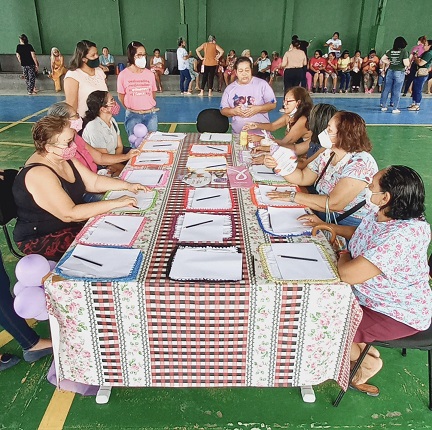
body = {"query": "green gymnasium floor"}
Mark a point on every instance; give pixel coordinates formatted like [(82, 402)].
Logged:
[(30, 402)]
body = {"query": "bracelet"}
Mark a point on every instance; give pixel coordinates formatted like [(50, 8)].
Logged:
[(292, 196)]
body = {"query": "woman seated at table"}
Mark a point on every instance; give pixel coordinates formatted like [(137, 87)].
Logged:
[(248, 98), (48, 192), (86, 154), (340, 174), (297, 106), (100, 129), (387, 266)]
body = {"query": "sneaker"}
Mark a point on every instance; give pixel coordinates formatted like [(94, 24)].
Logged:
[(333, 91), (325, 90), (383, 109), (404, 95), (395, 111), (414, 108), (313, 89), (340, 91)]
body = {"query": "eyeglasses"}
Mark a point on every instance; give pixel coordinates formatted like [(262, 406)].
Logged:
[(289, 101)]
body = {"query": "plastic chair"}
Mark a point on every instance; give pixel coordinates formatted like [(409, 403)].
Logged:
[(8, 210), (212, 121), (421, 340)]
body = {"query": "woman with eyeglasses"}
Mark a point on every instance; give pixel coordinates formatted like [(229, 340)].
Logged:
[(48, 192), (386, 265), (84, 76), (136, 88)]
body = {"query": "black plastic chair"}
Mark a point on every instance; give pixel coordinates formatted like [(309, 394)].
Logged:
[(8, 210), (212, 121), (421, 340)]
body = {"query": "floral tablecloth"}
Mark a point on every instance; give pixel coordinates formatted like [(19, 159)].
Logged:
[(158, 332)]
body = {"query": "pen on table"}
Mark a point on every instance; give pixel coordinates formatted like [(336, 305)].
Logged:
[(88, 261), (199, 223), (158, 159), (209, 197), (217, 149), (164, 144), (136, 207), (210, 137), (114, 225), (266, 173), (160, 177), (297, 258), (216, 165)]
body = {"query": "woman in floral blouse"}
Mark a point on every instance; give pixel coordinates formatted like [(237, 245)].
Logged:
[(387, 266)]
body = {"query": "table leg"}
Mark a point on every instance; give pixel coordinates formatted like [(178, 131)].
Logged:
[(55, 339), (103, 394)]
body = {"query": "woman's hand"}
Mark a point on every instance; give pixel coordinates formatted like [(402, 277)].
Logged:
[(310, 220), (259, 159), (134, 188), (282, 196), (270, 162), (125, 201), (250, 126), (133, 153), (251, 111), (258, 149), (254, 138)]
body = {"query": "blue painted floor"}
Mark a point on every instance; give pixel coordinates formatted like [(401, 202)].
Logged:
[(185, 109)]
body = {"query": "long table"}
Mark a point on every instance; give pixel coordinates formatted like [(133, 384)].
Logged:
[(163, 333)]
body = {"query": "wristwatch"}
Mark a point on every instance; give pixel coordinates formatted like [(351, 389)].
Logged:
[(292, 196)]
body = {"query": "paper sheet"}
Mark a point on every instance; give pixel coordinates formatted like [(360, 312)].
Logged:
[(206, 163), (114, 230), (263, 173), (262, 190), (297, 269), (209, 263), (151, 178), (216, 137), (160, 145), (211, 231), (156, 158), (284, 220), (209, 149), (212, 198), (112, 263), (158, 135), (144, 199)]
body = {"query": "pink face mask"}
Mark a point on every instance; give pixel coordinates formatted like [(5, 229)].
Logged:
[(76, 124), (69, 152), (115, 110)]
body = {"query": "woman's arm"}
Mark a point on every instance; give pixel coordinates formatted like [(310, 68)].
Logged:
[(220, 52), (105, 159), (71, 92), (48, 193), (234, 111), (119, 149), (198, 51), (273, 126), (299, 177), (33, 54), (255, 109), (121, 97), (297, 131), (18, 57), (357, 270)]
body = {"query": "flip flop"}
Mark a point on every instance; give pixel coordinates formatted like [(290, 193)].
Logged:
[(7, 361), (368, 389)]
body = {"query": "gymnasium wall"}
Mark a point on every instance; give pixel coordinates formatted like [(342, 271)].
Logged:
[(237, 24)]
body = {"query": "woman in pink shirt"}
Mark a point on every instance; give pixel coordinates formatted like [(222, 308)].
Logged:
[(136, 88)]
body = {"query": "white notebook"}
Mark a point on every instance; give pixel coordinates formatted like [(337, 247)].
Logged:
[(216, 137)]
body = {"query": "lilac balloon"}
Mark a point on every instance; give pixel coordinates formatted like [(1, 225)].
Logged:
[(138, 142), (30, 302), (132, 138), (31, 269), (18, 287), (140, 130), (43, 316), (52, 264)]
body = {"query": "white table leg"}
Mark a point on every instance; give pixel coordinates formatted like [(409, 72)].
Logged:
[(55, 338), (103, 394), (308, 393)]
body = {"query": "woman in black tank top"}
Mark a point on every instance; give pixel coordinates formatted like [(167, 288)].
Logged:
[(48, 192)]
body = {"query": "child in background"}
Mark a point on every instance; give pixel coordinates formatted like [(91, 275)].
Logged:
[(331, 72)]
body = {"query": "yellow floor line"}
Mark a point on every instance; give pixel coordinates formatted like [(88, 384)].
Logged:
[(29, 145), (5, 337), (13, 124), (172, 128), (57, 410)]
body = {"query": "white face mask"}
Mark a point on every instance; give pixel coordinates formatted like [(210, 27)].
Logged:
[(141, 62), (292, 113), (368, 196), (324, 139)]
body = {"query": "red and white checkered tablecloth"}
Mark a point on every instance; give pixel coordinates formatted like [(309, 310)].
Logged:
[(164, 333)]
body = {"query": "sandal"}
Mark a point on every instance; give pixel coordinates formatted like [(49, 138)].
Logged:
[(414, 108), (368, 389), (7, 361)]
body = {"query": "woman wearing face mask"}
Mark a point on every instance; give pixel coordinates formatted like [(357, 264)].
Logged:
[(392, 285), (340, 174), (49, 190), (84, 76), (297, 106), (136, 88)]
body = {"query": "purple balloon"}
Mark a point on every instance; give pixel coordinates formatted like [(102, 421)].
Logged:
[(43, 316), (52, 264), (140, 130), (31, 269), (18, 287), (132, 139), (138, 142), (30, 302)]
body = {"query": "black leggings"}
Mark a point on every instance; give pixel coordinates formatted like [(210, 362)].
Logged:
[(209, 73)]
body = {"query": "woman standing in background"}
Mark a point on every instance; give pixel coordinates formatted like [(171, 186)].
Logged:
[(27, 58)]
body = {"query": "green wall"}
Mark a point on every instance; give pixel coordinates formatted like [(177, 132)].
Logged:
[(237, 24)]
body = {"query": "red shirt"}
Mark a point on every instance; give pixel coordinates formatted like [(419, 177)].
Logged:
[(317, 63), (329, 68)]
